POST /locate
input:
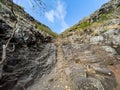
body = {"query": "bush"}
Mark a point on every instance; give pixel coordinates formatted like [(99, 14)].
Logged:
[(84, 24), (46, 29)]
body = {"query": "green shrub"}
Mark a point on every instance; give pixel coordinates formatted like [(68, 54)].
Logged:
[(84, 24), (45, 29), (105, 16)]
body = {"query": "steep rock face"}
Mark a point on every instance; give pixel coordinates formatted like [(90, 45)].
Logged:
[(25, 26), (26, 65), (30, 53)]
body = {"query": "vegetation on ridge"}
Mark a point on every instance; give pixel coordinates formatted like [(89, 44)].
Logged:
[(19, 10), (96, 19), (46, 29)]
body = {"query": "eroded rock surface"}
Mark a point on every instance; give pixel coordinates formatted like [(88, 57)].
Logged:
[(88, 70), (26, 65), (78, 67)]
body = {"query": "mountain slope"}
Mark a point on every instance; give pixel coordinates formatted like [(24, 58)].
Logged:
[(106, 13), (101, 32), (20, 13)]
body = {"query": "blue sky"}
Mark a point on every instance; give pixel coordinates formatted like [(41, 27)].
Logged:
[(61, 14)]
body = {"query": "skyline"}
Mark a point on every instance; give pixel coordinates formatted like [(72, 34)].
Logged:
[(61, 14)]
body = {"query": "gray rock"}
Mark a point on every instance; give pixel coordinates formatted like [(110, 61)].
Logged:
[(115, 21), (112, 36), (102, 70), (109, 49), (96, 39)]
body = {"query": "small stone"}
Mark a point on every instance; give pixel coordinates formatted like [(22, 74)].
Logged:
[(109, 73)]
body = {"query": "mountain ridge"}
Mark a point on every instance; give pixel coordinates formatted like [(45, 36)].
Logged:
[(100, 15), (19, 11)]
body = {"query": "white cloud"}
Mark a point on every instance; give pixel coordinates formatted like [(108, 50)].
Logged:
[(58, 13), (50, 15)]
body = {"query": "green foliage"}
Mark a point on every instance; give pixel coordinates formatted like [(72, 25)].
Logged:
[(104, 17), (95, 20), (81, 26), (84, 24), (45, 29)]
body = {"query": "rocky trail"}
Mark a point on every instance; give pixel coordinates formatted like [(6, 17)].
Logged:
[(77, 68), (57, 78)]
